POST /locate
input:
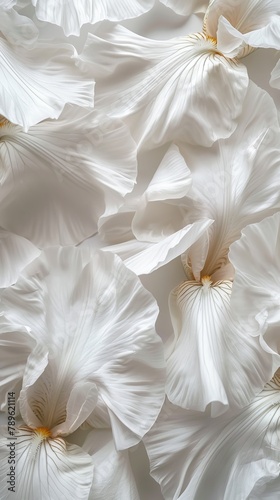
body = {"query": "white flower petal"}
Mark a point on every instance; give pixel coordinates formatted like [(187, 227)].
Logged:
[(211, 362), (256, 290), (16, 345), (73, 15), (232, 43), (235, 189), (186, 8), (156, 214), (18, 30), (241, 452), (113, 478), (244, 16), (38, 82), (158, 254), (275, 76), (15, 253), (45, 468), (7, 4), (169, 90), (105, 336), (62, 175)]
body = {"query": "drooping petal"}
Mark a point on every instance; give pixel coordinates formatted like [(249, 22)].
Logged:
[(186, 8), (256, 290), (45, 468), (61, 176), (15, 253), (113, 477), (235, 189), (169, 90), (37, 83), (73, 15), (211, 362), (105, 336), (188, 450)]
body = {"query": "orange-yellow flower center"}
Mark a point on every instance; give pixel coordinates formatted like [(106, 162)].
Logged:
[(206, 281), (43, 432)]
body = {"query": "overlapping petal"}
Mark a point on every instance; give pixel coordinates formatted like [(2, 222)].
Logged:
[(275, 76), (113, 477), (73, 15), (212, 361), (37, 82), (45, 468), (18, 30), (256, 291), (105, 336), (186, 8), (164, 207), (166, 90), (231, 183), (15, 253), (194, 456), (58, 179), (237, 24)]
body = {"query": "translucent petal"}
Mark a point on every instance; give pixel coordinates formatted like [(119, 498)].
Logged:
[(211, 363), (230, 181), (167, 90), (38, 82), (61, 176), (113, 477), (256, 291), (186, 8), (162, 209), (244, 16), (148, 258), (102, 337), (240, 451), (73, 15), (15, 253)]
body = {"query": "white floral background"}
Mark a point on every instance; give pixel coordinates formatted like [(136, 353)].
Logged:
[(139, 221)]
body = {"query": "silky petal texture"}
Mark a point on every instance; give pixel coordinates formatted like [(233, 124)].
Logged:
[(60, 177), (7, 4), (232, 43), (103, 306), (72, 15), (45, 468), (113, 478), (275, 76), (244, 16), (15, 253), (145, 257), (194, 456), (211, 362), (171, 181), (186, 8), (166, 90), (235, 190), (256, 291), (18, 30), (38, 82), (16, 345)]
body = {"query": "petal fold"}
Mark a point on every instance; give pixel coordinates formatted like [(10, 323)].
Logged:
[(169, 91)]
